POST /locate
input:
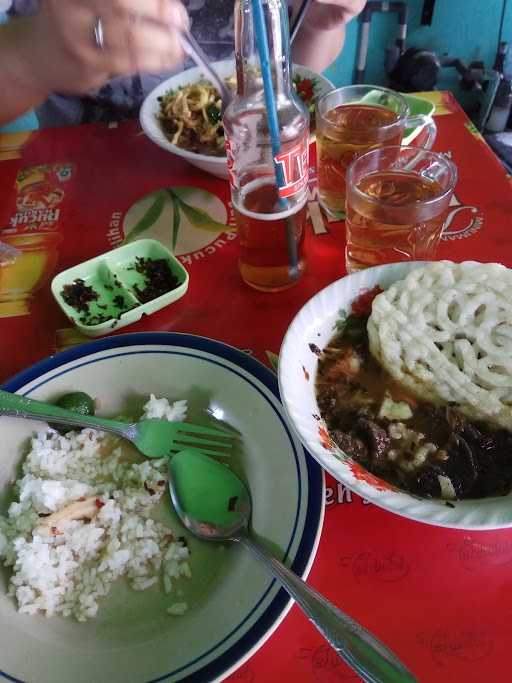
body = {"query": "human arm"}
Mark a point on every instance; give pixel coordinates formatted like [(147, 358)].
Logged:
[(322, 34), (20, 95), (55, 50)]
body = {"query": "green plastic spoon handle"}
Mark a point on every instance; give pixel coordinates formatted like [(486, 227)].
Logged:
[(14, 405)]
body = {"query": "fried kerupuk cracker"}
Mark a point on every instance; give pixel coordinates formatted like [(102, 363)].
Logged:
[(445, 333)]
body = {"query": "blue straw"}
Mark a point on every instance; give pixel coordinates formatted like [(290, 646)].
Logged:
[(264, 53), (260, 30)]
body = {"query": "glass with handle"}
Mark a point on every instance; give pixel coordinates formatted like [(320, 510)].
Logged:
[(352, 121)]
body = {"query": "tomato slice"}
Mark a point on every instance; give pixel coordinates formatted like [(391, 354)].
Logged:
[(363, 304), (305, 89)]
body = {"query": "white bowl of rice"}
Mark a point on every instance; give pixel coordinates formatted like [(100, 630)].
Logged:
[(151, 109), (100, 582)]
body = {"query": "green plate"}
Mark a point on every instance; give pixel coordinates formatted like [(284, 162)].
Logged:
[(114, 278), (417, 105)]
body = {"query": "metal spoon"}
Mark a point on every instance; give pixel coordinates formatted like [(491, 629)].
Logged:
[(215, 505)]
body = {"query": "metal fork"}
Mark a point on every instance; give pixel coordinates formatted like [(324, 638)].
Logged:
[(153, 438)]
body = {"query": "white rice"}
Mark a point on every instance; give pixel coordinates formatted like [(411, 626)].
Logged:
[(69, 569), (159, 408)]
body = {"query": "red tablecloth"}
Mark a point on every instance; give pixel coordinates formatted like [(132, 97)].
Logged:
[(441, 599)]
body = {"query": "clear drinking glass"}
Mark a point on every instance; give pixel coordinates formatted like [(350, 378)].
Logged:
[(397, 202), (352, 121)]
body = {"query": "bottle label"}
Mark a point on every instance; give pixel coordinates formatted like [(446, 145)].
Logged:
[(294, 163)]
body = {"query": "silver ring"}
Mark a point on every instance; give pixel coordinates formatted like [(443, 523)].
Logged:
[(99, 36)]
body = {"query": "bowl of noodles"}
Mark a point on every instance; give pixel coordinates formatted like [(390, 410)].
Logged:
[(183, 113)]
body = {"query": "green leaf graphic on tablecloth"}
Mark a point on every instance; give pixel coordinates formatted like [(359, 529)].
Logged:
[(273, 359), (149, 218), (175, 220), (199, 218), (185, 192)]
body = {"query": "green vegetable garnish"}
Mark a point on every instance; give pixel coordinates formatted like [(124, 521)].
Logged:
[(77, 402), (351, 326), (213, 113)]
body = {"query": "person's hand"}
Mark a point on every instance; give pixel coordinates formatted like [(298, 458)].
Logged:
[(322, 33), (58, 51), (324, 15)]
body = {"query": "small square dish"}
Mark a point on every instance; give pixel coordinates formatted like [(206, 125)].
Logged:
[(117, 288)]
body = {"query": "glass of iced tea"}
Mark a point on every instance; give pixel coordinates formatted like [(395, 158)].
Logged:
[(397, 202), (351, 121)]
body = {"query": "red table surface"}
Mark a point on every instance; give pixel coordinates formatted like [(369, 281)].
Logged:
[(441, 599)]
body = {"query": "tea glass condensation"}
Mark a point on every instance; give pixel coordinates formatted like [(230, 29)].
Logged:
[(397, 203), (351, 121)]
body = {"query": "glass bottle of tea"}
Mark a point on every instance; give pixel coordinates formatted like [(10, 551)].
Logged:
[(268, 189)]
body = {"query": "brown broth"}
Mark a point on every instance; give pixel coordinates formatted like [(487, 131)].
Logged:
[(265, 235), (390, 217), (350, 130), (436, 443)]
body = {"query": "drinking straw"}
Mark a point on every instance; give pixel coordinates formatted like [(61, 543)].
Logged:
[(299, 19), (260, 30)]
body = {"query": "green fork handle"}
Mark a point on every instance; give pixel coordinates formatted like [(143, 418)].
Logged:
[(18, 406)]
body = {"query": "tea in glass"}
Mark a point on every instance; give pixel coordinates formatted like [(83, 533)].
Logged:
[(350, 122), (271, 240), (397, 203)]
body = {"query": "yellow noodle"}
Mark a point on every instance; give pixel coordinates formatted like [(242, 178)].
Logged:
[(185, 115)]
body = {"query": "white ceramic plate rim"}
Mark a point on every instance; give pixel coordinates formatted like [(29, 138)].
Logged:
[(151, 106), (314, 324), (311, 507)]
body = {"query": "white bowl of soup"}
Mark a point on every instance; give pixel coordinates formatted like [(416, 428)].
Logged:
[(345, 431)]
